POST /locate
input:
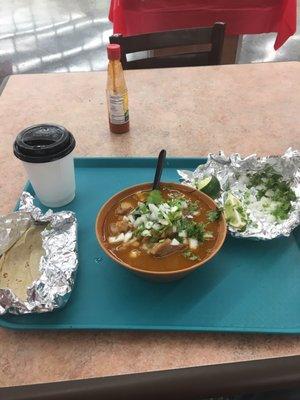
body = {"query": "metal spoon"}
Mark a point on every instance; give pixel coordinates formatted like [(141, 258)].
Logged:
[(159, 168)]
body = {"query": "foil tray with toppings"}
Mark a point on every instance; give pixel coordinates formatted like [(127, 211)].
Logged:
[(260, 196), (38, 259)]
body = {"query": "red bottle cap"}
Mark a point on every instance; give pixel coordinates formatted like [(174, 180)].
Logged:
[(113, 51)]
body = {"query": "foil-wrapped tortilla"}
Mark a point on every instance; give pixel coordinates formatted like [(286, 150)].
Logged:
[(232, 173), (38, 259)]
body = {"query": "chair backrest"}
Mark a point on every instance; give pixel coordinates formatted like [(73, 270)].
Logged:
[(211, 37)]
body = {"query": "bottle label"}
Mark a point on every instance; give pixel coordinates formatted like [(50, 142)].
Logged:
[(118, 108)]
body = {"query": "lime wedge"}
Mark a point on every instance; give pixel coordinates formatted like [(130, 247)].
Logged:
[(234, 213), (210, 186)]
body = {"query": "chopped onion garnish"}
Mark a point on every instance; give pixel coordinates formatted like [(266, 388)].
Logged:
[(193, 243)]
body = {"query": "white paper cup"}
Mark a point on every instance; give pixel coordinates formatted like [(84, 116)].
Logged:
[(46, 153)]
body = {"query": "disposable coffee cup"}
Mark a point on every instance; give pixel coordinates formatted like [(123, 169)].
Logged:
[(46, 153)]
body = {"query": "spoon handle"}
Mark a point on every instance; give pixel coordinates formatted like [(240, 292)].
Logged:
[(159, 168)]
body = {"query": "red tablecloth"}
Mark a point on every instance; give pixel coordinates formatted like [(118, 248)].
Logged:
[(133, 17)]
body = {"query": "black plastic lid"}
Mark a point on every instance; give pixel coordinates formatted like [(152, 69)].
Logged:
[(43, 143)]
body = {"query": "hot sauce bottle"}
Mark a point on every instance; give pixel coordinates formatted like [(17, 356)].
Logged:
[(116, 91)]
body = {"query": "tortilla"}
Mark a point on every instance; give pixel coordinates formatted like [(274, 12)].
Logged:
[(19, 266)]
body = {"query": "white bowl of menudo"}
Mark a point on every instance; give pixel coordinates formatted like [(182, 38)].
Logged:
[(161, 234)]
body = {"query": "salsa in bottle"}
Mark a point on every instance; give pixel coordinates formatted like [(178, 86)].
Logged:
[(117, 96)]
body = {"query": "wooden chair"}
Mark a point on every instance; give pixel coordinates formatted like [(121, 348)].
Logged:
[(211, 40)]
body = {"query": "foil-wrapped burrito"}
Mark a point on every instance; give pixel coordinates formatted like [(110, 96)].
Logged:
[(260, 196), (38, 258)]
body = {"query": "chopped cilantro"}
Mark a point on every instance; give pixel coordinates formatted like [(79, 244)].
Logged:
[(141, 209), (155, 197), (214, 215), (174, 216), (275, 188), (176, 202), (193, 207), (190, 255), (138, 231), (170, 218), (193, 229)]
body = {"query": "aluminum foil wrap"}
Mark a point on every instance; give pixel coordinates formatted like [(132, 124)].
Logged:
[(230, 171), (57, 266)]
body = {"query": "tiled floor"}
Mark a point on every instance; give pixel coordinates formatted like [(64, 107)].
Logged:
[(53, 36), (70, 35), (259, 48)]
